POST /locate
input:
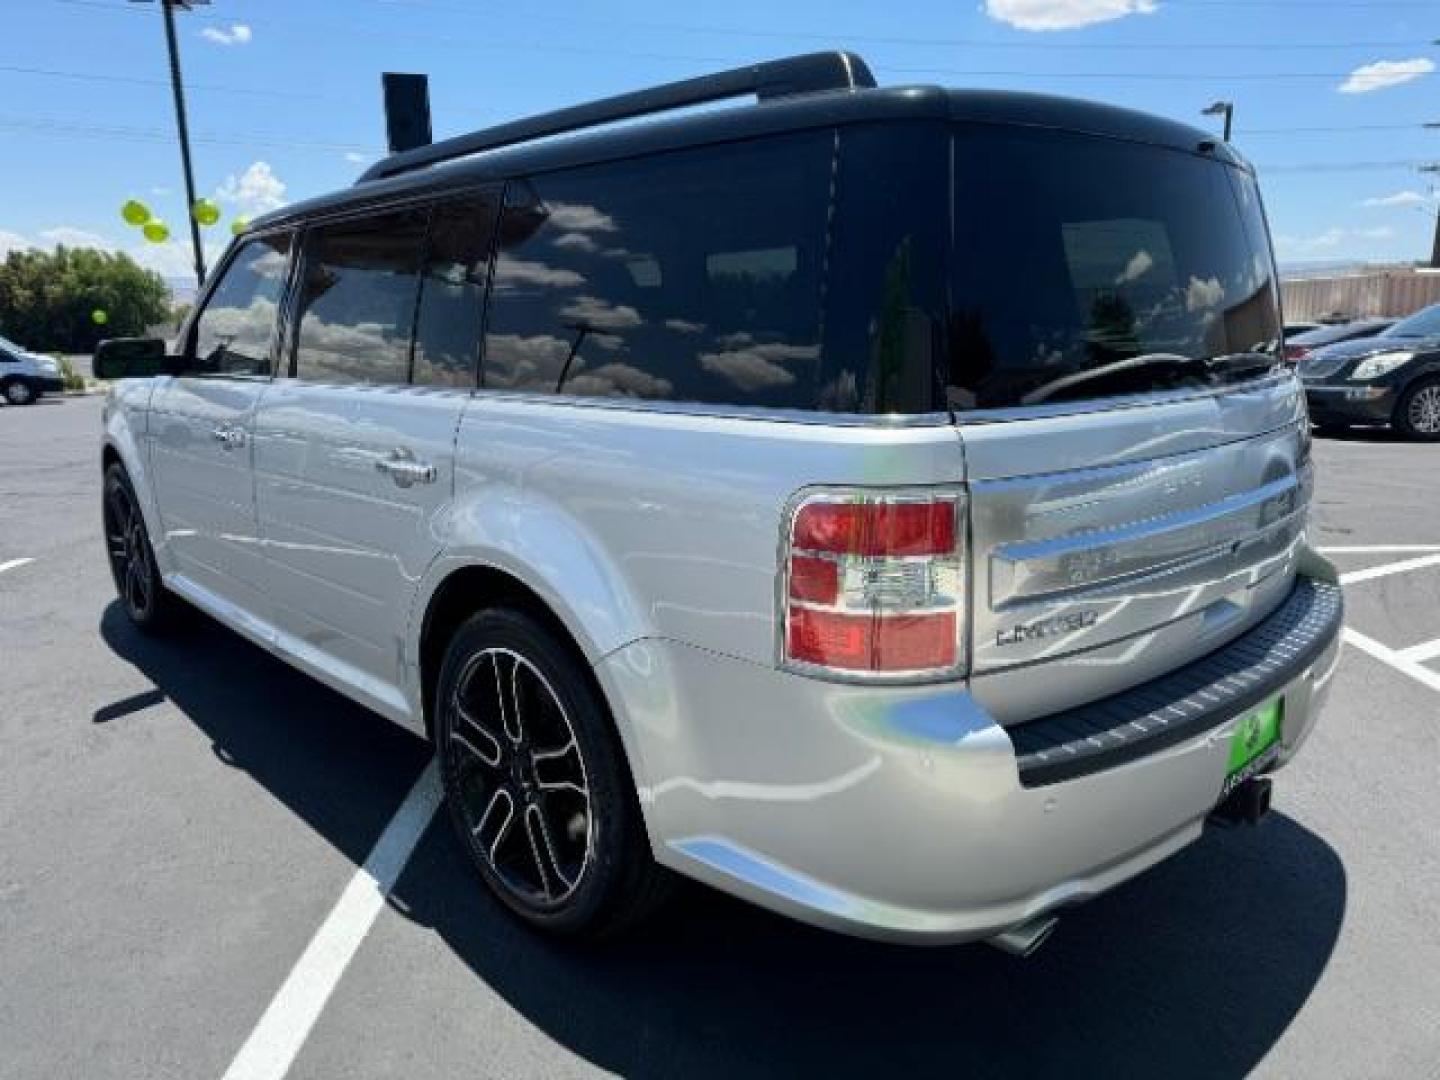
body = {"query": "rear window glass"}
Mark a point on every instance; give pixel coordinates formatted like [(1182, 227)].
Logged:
[(1087, 267), (693, 276)]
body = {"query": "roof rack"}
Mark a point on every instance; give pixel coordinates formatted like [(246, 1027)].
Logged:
[(805, 74)]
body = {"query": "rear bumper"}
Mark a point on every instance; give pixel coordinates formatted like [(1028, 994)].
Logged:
[(1355, 403), (902, 813)]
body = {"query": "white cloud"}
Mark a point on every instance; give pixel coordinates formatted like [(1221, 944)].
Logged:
[(597, 314), (173, 259), (72, 237), (575, 241), (255, 191), (685, 326), (355, 158), (12, 241), (578, 217), (756, 367), (1064, 14), (238, 34), (1329, 240), (1385, 73), (1203, 293), (623, 380), (1400, 198), (510, 271), (1138, 266), (160, 192)]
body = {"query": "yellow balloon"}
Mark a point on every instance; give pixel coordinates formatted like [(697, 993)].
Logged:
[(206, 212), (99, 317), (156, 231), (135, 212), (239, 225)]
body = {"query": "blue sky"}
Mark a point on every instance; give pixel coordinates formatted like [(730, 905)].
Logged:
[(285, 102)]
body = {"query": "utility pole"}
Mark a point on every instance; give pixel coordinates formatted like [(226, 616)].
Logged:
[(168, 7), (1221, 108), (1435, 246)]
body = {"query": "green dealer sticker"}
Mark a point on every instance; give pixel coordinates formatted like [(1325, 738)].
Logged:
[(1254, 744)]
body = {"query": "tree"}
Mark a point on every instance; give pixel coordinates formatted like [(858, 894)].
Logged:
[(48, 299)]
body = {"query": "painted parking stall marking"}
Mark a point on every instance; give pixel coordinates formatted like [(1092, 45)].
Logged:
[(14, 564), (286, 1023)]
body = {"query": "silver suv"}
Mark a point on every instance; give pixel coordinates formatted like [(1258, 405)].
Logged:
[(866, 502), (26, 376)]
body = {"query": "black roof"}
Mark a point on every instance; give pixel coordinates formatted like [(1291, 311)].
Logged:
[(791, 112)]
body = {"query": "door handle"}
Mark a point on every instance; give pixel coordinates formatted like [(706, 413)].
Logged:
[(402, 467)]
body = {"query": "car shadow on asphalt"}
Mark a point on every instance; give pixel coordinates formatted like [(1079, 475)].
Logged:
[(1194, 969)]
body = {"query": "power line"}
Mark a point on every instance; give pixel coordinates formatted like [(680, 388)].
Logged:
[(782, 35), (126, 133), (60, 127)]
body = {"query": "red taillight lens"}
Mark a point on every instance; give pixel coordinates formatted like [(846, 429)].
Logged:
[(872, 642), (1295, 353), (877, 528), (814, 579), (875, 585)]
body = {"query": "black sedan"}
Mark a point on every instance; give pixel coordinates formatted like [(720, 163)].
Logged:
[(1392, 378), (1299, 346)]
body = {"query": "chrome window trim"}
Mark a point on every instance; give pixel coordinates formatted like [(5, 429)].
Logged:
[(886, 420)]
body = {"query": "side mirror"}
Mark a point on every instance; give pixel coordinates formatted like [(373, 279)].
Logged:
[(130, 358)]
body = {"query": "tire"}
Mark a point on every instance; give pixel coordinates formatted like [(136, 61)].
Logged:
[(19, 392), (1417, 414), (132, 560), (539, 794)]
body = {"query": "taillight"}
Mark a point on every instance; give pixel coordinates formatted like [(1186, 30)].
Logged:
[(1295, 353), (873, 585)]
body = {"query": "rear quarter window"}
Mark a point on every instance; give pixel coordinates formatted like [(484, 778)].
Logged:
[(693, 276)]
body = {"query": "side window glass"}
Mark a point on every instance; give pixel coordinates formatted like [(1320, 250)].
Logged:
[(690, 276), (452, 292), (357, 302), (234, 330)]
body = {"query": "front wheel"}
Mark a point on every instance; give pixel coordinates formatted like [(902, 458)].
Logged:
[(19, 392), (132, 560), (1418, 412), (536, 782)]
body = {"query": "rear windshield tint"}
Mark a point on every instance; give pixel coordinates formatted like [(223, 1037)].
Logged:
[(1088, 267)]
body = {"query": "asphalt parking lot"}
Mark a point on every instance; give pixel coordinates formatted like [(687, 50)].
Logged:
[(179, 818)]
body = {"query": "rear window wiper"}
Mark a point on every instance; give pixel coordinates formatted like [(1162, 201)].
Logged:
[(1228, 363)]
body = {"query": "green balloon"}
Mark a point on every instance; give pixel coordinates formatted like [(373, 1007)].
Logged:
[(239, 225), (98, 317), (135, 212), (156, 231), (206, 212)]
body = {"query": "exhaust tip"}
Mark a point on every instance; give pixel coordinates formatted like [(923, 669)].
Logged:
[(1023, 939)]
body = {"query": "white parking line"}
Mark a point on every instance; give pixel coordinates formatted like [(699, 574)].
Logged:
[(1386, 569), (1389, 656), (283, 1029), (1426, 650), (13, 563), (1378, 549)]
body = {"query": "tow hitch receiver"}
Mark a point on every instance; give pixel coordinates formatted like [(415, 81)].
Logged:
[(1245, 805)]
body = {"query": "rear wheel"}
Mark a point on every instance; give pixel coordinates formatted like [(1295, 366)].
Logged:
[(19, 392), (536, 782), (132, 560), (1418, 412)]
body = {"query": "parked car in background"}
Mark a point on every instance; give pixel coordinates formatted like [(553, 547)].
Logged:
[(1294, 328), (25, 376), (1390, 378), (683, 483), (1301, 345)]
